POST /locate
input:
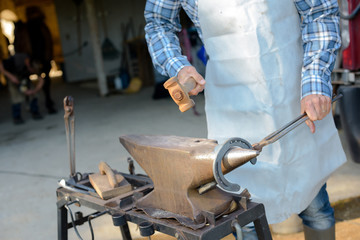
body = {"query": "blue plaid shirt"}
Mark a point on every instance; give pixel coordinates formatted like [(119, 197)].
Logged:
[(320, 34)]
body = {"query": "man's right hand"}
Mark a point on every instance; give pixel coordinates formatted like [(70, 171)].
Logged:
[(188, 72), (316, 107)]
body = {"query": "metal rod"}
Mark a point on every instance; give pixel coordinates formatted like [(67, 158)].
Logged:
[(125, 232), (95, 215), (62, 183), (70, 131), (238, 230), (352, 14), (72, 218), (62, 223)]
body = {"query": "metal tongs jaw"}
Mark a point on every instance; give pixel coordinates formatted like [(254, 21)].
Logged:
[(273, 137), (68, 107)]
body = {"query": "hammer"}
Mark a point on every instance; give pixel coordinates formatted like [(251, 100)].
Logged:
[(180, 92)]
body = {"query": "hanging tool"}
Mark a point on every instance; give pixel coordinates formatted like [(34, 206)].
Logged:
[(109, 51), (78, 4), (221, 150)]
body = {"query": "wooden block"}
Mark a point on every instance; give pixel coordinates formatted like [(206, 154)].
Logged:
[(102, 186)]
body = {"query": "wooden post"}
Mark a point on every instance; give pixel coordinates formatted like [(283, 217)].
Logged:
[(3, 53), (94, 34)]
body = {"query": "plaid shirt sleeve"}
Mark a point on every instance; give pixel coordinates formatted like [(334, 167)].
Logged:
[(162, 26), (321, 39)]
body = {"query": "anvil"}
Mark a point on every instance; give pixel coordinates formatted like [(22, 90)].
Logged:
[(178, 166)]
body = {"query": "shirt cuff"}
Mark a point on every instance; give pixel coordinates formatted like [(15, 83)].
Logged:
[(174, 65), (315, 85)]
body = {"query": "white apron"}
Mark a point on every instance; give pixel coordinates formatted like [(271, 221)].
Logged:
[(253, 88)]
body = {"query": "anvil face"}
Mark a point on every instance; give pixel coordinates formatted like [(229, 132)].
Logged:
[(177, 166), (173, 158)]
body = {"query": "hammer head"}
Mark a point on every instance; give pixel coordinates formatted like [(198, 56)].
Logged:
[(179, 93)]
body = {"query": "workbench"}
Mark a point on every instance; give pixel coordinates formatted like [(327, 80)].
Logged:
[(121, 210)]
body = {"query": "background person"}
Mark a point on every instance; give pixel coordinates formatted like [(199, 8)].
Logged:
[(41, 49), (17, 70)]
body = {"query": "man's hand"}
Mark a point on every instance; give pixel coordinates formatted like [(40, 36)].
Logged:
[(29, 92), (9, 75), (188, 72), (13, 79), (316, 107), (38, 87)]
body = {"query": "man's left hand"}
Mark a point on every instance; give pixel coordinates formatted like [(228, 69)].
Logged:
[(30, 92), (316, 107)]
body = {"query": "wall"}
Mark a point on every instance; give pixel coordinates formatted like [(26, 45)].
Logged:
[(79, 65)]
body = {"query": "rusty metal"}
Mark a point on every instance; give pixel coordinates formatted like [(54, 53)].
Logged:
[(69, 118), (177, 167), (131, 166), (206, 187), (75, 177)]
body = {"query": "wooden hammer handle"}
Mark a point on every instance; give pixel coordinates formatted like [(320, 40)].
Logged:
[(106, 170), (189, 85)]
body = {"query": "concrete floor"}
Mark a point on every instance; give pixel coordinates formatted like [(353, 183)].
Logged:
[(34, 156)]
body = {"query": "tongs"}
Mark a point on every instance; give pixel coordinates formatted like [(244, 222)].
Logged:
[(273, 137), (70, 131), (75, 177), (221, 150)]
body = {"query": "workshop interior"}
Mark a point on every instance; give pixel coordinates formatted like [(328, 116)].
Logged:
[(184, 193)]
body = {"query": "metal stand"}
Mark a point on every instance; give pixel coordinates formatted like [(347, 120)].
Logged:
[(121, 210)]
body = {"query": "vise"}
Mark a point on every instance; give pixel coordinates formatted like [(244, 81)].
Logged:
[(178, 166)]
